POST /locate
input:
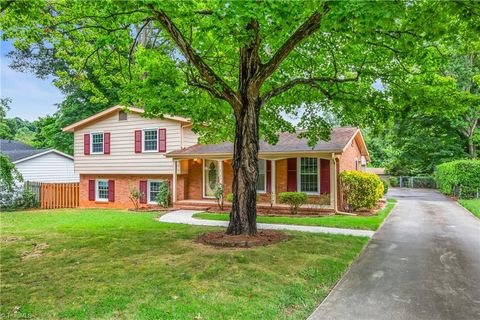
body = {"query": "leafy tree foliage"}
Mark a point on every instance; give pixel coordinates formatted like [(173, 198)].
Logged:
[(237, 67)]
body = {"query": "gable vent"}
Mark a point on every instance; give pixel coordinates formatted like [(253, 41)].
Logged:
[(122, 116)]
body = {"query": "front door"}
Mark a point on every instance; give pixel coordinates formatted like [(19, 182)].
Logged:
[(210, 178)]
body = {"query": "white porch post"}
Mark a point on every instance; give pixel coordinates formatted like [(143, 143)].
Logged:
[(220, 171), (273, 182), (174, 184)]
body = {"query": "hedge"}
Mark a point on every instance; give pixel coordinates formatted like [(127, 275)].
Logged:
[(293, 199), (360, 189), (460, 178)]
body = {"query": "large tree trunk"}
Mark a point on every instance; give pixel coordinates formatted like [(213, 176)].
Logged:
[(243, 217)]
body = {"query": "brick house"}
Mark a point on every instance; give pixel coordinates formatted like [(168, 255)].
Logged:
[(116, 151)]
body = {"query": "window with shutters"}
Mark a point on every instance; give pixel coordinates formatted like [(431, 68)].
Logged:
[(308, 175), (150, 140), (96, 141), (262, 175), (101, 190), (153, 190)]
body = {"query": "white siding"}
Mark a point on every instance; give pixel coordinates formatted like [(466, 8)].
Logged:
[(50, 167), (122, 158), (189, 137)]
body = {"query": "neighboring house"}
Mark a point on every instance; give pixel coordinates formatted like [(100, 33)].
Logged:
[(378, 171), (39, 165), (116, 151)]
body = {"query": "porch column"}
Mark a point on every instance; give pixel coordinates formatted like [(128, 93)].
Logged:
[(273, 182), (220, 171), (174, 184)]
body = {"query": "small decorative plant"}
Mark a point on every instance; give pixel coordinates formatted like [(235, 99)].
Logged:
[(163, 196), (294, 199), (135, 196), (218, 194), (324, 199)]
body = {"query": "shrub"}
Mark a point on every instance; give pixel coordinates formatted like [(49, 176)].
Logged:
[(293, 199), (324, 199), (385, 187), (135, 196), (218, 193), (163, 196), (360, 189), (460, 177), (394, 182), (229, 197)]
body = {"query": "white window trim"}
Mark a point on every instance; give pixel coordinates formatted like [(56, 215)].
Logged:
[(265, 184), (103, 142), (143, 139), (96, 191), (148, 190), (299, 176), (203, 179)]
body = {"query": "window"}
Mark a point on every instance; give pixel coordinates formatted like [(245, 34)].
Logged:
[(101, 190), (153, 189), (309, 175), (262, 175), (97, 142), (150, 140)]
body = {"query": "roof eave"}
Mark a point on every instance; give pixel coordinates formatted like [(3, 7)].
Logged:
[(41, 154), (175, 155), (71, 128)]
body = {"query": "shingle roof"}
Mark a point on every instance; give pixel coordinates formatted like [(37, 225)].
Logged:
[(287, 142), (16, 150)]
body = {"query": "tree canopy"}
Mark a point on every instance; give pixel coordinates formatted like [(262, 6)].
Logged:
[(240, 69)]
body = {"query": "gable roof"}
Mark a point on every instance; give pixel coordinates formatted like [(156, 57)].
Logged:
[(340, 138), (97, 116), (18, 151)]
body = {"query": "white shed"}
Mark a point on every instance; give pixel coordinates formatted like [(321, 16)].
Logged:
[(45, 165)]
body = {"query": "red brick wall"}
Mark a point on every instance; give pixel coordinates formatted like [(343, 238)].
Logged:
[(194, 178), (123, 183), (347, 159)]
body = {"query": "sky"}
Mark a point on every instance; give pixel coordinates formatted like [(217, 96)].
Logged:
[(31, 97)]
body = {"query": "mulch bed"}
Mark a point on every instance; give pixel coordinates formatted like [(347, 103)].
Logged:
[(373, 212), (262, 238), (152, 209)]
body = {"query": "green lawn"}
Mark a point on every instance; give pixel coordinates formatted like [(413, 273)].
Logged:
[(112, 264), (472, 205), (337, 221)]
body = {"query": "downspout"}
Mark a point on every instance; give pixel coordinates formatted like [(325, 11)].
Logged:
[(336, 182)]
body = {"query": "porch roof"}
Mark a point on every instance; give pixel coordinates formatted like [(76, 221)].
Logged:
[(288, 143)]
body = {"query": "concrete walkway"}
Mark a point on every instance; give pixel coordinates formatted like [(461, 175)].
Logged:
[(423, 263), (186, 217)]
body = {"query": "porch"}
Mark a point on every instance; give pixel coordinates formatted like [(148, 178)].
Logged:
[(195, 179)]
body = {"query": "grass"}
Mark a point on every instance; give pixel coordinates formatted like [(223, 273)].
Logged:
[(337, 221), (472, 205), (112, 264)]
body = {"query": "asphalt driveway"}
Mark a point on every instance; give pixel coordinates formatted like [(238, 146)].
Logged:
[(424, 263)]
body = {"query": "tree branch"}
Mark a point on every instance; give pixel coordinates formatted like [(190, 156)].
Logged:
[(306, 29), (305, 81), (224, 91)]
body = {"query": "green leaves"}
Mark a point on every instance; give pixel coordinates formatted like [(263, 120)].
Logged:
[(117, 52)]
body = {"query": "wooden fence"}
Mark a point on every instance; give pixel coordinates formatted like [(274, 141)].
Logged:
[(55, 195)]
